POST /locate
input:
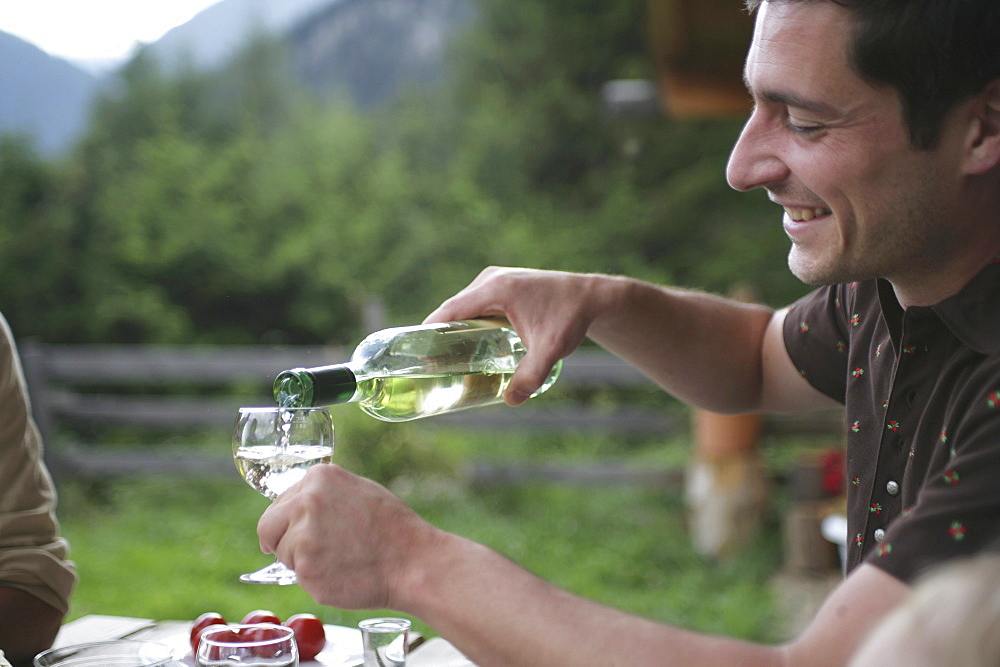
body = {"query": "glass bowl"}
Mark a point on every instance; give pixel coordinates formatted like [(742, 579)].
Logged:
[(115, 653)]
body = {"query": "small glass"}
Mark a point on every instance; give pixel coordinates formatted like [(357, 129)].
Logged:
[(114, 653), (260, 645), (385, 641), (273, 448)]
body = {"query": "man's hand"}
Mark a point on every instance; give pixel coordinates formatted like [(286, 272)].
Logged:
[(348, 539), (550, 310)]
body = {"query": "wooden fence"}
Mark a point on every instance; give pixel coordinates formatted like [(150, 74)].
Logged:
[(79, 392)]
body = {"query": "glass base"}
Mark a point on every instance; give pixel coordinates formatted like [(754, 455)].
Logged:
[(276, 573)]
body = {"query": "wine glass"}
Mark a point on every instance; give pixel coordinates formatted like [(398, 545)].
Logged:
[(241, 645), (273, 447)]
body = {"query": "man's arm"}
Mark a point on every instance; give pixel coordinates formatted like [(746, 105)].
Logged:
[(711, 352), (355, 545), (526, 621), (29, 625)]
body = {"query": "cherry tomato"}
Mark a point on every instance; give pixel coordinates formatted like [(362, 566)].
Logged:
[(260, 616), (196, 640), (309, 635), (264, 633), (203, 621)]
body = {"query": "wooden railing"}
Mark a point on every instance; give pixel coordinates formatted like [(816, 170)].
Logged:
[(80, 393)]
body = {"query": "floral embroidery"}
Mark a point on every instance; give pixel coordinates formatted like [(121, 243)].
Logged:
[(893, 425), (951, 477), (856, 427), (957, 530), (909, 349), (836, 303), (856, 481), (878, 350), (856, 320), (841, 346), (876, 508), (913, 452), (803, 327), (884, 549), (993, 400), (858, 372), (859, 539)]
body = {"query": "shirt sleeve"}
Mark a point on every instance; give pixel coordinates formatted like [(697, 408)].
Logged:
[(32, 553), (816, 338)]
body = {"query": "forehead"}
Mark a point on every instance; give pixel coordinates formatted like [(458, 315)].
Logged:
[(803, 47)]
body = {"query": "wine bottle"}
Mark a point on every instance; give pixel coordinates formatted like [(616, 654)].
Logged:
[(406, 373)]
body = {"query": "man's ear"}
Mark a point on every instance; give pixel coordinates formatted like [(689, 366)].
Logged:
[(983, 152)]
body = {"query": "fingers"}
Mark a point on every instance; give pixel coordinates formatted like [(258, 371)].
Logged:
[(550, 311), (271, 527), (483, 296), (330, 528), (275, 521)]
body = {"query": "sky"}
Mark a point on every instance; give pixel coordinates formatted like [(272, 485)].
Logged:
[(94, 30)]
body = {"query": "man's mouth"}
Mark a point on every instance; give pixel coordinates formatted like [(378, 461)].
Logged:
[(805, 214)]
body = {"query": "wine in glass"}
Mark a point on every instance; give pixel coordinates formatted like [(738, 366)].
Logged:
[(273, 447)]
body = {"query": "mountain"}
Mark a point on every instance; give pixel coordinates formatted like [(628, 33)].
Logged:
[(372, 49), (366, 49), (215, 34), (41, 96)]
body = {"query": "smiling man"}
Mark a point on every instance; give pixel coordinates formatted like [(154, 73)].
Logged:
[(876, 129)]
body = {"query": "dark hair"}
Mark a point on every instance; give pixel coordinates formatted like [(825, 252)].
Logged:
[(934, 53)]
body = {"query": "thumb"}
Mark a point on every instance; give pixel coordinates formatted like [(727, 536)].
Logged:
[(530, 375)]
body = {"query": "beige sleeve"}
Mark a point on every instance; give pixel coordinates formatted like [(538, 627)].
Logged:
[(32, 554)]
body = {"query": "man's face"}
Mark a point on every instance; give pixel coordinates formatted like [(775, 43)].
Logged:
[(860, 201)]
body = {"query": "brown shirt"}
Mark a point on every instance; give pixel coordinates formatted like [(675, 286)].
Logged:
[(921, 388), (32, 555)]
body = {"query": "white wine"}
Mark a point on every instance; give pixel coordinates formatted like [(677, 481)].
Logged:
[(272, 469), (399, 398), (408, 373)]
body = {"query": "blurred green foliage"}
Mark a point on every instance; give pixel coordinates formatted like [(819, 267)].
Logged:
[(232, 207)]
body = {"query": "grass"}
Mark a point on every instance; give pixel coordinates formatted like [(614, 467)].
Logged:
[(162, 548), (166, 549)]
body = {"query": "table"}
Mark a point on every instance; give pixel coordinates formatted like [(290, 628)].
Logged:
[(343, 647)]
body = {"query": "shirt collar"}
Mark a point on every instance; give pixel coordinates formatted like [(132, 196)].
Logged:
[(972, 314)]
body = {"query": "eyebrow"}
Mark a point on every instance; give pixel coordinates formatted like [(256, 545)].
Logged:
[(797, 102), (790, 99)]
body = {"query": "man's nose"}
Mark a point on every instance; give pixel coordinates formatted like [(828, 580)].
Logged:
[(754, 162)]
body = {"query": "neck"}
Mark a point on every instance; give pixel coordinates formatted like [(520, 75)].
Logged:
[(931, 286)]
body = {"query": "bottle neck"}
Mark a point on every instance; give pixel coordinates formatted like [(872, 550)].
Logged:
[(323, 385)]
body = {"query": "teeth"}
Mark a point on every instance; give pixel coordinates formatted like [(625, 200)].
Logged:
[(805, 214)]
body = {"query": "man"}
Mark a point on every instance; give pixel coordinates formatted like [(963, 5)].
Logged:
[(877, 128), (35, 578)]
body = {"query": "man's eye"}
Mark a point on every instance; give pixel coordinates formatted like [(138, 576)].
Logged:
[(803, 129)]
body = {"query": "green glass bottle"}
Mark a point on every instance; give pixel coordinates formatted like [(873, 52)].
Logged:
[(406, 373)]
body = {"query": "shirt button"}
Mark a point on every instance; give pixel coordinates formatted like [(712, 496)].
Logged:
[(892, 488), (879, 535)]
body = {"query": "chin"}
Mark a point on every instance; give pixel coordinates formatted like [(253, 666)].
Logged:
[(815, 272)]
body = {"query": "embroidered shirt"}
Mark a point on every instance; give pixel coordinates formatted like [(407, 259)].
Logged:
[(921, 389)]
